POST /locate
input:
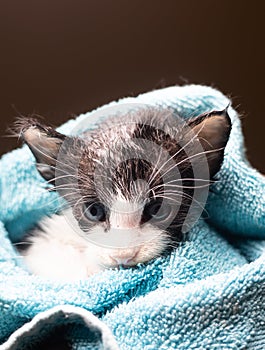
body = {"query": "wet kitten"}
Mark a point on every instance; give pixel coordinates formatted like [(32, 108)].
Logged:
[(130, 184)]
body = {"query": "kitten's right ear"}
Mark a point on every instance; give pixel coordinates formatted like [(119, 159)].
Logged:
[(44, 142)]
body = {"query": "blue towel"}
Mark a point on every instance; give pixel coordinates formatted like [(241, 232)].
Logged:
[(207, 294)]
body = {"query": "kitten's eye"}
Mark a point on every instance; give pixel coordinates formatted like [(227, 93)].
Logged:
[(95, 211), (156, 210)]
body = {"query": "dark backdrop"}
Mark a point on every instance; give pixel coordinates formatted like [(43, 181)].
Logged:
[(60, 58)]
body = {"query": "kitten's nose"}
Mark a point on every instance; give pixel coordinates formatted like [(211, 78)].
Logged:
[(123, 259)]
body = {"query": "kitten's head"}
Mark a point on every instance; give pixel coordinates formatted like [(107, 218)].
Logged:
[(134, 187)]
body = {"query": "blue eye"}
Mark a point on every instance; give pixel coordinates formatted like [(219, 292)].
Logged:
[(95, 211), (156, 210)]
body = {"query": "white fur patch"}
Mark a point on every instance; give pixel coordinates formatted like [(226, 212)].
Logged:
[(58, 252)]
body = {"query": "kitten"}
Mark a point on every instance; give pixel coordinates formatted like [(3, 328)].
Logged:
[(130, 185)]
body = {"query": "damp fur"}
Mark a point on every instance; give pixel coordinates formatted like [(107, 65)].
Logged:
[(127, 171)]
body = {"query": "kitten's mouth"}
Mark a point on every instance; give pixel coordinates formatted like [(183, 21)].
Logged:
[(122, 266)]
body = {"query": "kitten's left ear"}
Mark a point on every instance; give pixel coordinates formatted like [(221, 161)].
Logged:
[(213, 131)]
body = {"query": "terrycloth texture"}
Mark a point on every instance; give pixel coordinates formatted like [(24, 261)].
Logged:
[(208, 294)]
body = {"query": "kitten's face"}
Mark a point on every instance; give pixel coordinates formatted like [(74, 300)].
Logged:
[(129, 209), (131, 186)]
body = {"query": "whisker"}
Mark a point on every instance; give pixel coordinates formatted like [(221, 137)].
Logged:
[(165, 197), (193, 156), (182, 194), (185, 195), (192, 179), (22, 243), (64, 187), (179, 186), (62, 177), (63, 197)]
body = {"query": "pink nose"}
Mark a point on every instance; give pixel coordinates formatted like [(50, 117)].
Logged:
[(122, 259)]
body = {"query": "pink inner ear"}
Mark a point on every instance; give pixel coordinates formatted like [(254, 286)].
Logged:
[(213, 131)]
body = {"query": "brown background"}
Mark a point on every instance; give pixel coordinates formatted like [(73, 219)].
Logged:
[(60, 58)]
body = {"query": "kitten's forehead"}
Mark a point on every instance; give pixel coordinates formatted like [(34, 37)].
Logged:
[(145, 122), (126, 156), (126, 178)]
